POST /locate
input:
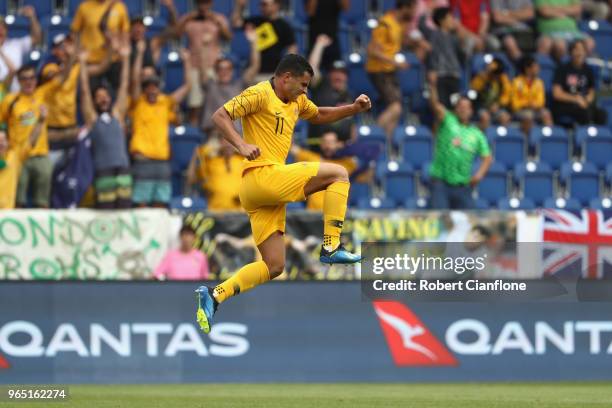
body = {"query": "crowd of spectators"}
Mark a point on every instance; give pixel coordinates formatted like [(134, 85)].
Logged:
[(99, 87)]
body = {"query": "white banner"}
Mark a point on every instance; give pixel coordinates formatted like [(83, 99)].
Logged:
[(82, 244)]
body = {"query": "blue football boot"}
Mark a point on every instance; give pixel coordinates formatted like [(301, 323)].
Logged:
[(338, 256), (207, 306)]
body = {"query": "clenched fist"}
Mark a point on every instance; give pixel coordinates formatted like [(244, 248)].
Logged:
[(363, 103), (249, 151)]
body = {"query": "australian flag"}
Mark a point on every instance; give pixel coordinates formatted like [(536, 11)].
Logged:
[(577, 244)]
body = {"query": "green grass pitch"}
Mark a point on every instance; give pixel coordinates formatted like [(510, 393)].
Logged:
[(505, 395)]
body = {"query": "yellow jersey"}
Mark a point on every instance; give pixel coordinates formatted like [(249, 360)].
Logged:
[(150, 121), (268, 122), (87, 23), (527, 94), (9, 176), (20, 112), (388, 35), (62, 104)]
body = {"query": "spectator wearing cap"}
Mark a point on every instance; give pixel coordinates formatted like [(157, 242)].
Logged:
[(275, 36), (445, 59), (105, 124), (382, 65), (512, 25), (323, 19), (17, 49), (222, 86), (493, 88), (151, 113), (206, 30), (62, 104), (528, 101), (218, 167), (96, 24), (330, 89), (184, 263), (24, 114), (458, 143)]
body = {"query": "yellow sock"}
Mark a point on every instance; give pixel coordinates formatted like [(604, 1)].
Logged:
[(245, 279), (334, 210)]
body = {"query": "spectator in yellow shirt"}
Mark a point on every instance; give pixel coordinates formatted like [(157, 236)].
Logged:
[(96, 24), (22, 113), (529, 97), (152, 112), (11, 159), (219, 168), (383, 67), (493, 87)]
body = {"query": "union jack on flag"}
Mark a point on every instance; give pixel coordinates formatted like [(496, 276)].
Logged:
[(577, 243)]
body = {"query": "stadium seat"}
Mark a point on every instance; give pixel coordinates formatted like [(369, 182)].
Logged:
[(224, 7), (18, 26), (608, 175), (481, 204), (420, 203), (601, 32), (551, 144), (183, 141), (359, 191), (411, 79), (298, 205), (373, 133), (596, 144), (581, 181), (188, 203), (535, 181), (415, 144), (547, 70), (240, 46), (376, 203), (480, 61), (358, 80), (54, 25), (43, 7), (493, 132), (397, 180), (356, 12), (509, 204), (601, 203), (509, 149), (563, 204), (494, 185), (173, 72)]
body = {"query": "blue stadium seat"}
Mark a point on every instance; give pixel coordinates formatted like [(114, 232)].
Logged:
[(358, 80), (417, 150), (299, 11), (397, 180), (359, 191), (547, 70), (510, 204), (494, 185), (298, 205), (373, 133), (19, 27), (581, 181), (240, 46), (563, 204), (596, 144), (481, 204), (54, 25), (183, 141), (376, 203), (188, 203), (493, 132), (535, 180), (173, 73), (551, 144), (608, 176), (300, 31), (411, 80), (223, 7), (509, 150), (601, 203), (43, 7), (420, 203), (356, 12), (601, 32)]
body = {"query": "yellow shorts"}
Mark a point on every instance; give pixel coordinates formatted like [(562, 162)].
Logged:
[(266, 190)]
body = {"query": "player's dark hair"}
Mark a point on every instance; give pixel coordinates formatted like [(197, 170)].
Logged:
[(295, 64), (525, 63), (403, 3), (187, 229), (439, 14)]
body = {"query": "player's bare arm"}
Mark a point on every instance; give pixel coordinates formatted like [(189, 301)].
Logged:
[(332, 114), (223, 122)]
